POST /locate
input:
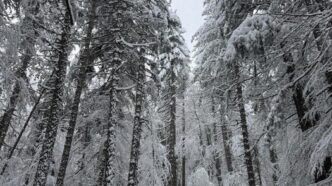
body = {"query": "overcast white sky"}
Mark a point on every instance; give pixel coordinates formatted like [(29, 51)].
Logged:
[(190, 13)]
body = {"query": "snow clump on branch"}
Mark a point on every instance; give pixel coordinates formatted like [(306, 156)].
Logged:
[(251, 34)]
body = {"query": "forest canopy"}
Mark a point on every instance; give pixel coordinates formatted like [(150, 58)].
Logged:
[(107, 93)]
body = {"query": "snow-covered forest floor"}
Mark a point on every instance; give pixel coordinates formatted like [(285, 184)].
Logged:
[(107, 93)]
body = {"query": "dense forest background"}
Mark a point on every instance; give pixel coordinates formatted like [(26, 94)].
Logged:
[(106, 93)]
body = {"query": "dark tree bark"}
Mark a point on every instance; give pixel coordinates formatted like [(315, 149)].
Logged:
[(262, 60), (172, 179), (102, 165), (244, 128), (85, 140), (51, 118), (138, 121), (239, 11), (216, 154), (200, 132), (116, 55), (257, 165), (110, 141), (183, 173), (208, 136), (85, 61), (273, 157), (226, 135)]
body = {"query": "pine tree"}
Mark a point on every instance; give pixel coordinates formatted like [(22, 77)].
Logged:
[(210, 44), (54, 98), (120, 27), (175, 56), (238, 12), (85, 61), (216, 153), (138, 121)]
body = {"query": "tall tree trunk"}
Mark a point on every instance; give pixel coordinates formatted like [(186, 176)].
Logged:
[(85, 61), (262, 60), (273, 158), (239, 12), (208, 135), (172, 179), (257, 165), (244, 128), (51, 119), (110, 141), (200, 132), (27, 52), (226, 135), (82, 162), (138, 121), (271, 149), (210, 169), (216, 154), (183, 141), (102, 164), (7, 116)]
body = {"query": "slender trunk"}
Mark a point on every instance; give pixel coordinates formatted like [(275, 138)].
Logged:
[(102, 164), (208, 135), (11, 152), (7, 116), (85, 141), (226, 135), (183, 142), (200, 135), (106, 172), (37, 128), (271, 149), (85, 61), (138, 121), (262, 60), (172, 179), (273, 158), (201, 143), (234, 18), (257, 165), (216, 154), (110, 141), (244, 128), (51, 118), (28, 45)]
